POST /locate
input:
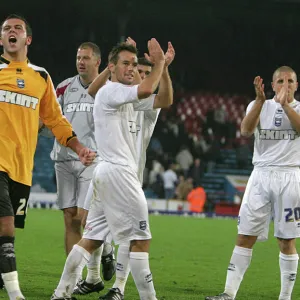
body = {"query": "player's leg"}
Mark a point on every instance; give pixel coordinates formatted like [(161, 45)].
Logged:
[(140, 268), (94, 234), (122, 272), (93, 281), (126, 211), (107, 257), (76, 261), (108, 260), (253, 223), (288, 262), (123, 268), (84, 189), (96, 229), (13, 202), (72, 227), (67, 202), (286, 228)]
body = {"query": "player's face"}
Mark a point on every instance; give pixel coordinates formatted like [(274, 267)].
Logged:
[(278, 81), (86, 62), (144, 71), (126, 67), (13, 36)]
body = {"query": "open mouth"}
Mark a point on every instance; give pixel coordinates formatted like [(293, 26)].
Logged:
[(12, 39)]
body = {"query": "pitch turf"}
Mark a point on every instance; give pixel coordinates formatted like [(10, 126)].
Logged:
[(189, 258)]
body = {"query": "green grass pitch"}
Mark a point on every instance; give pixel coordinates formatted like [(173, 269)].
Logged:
[(188, 257)]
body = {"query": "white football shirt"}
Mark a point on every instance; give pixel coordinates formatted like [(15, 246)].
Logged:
[(77, 106), (276, 142), (146, 122), (115, 116)]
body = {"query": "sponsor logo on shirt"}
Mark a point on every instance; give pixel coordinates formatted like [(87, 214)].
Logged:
[(18, 99), (270, 134), (85, 107)]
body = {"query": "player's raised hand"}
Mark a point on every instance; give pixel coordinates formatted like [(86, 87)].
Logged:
[(259, 89), (283, 95), (156, 55), (86, 156), (130, 41), (170, 54)]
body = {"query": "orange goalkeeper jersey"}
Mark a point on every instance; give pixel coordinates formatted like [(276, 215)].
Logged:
[(26, 94)]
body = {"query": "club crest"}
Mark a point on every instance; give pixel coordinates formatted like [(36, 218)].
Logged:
[(20, 83), (278, 117)]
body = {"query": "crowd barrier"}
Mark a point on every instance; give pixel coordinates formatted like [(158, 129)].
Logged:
[(155, 206)]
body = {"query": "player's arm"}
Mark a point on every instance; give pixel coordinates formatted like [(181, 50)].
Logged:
[(137, 77), (164, 98), (51, 116), (282, 98), (293, 116), (60, 90), (44, 130), (147, 87), (251, 120), (98, 82)]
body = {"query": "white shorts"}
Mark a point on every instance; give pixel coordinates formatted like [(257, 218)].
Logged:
[(73, 179), (118, 206), (89, 196), (271, 193)]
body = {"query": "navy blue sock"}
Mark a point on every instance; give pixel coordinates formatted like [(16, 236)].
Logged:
[(7, 254)]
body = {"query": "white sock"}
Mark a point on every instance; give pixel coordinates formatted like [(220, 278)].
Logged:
[(109, 239), (288, 269), (123, 268), (11, 283), (107, 248), (76, 260), (93, 266), (140, 270), (239, 263)]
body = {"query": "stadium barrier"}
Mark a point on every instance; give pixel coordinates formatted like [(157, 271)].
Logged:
[(49, 201), (155, 206)]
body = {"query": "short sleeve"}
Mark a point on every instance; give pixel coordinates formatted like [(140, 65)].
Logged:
[(145, 104), (120, 94), (249, 107)]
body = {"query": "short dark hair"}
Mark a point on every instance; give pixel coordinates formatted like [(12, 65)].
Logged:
[(14, 16), (283, 69), (144, 62), (113, 56), (93, 46)]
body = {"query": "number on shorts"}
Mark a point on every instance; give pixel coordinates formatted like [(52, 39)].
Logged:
[(20, 210), (290, 212), (297, 213)]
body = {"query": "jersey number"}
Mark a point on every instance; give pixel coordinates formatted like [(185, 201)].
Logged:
[(292, 214), (20, 210)]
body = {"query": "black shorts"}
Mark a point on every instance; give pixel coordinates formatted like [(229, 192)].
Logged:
[(13, 199)]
